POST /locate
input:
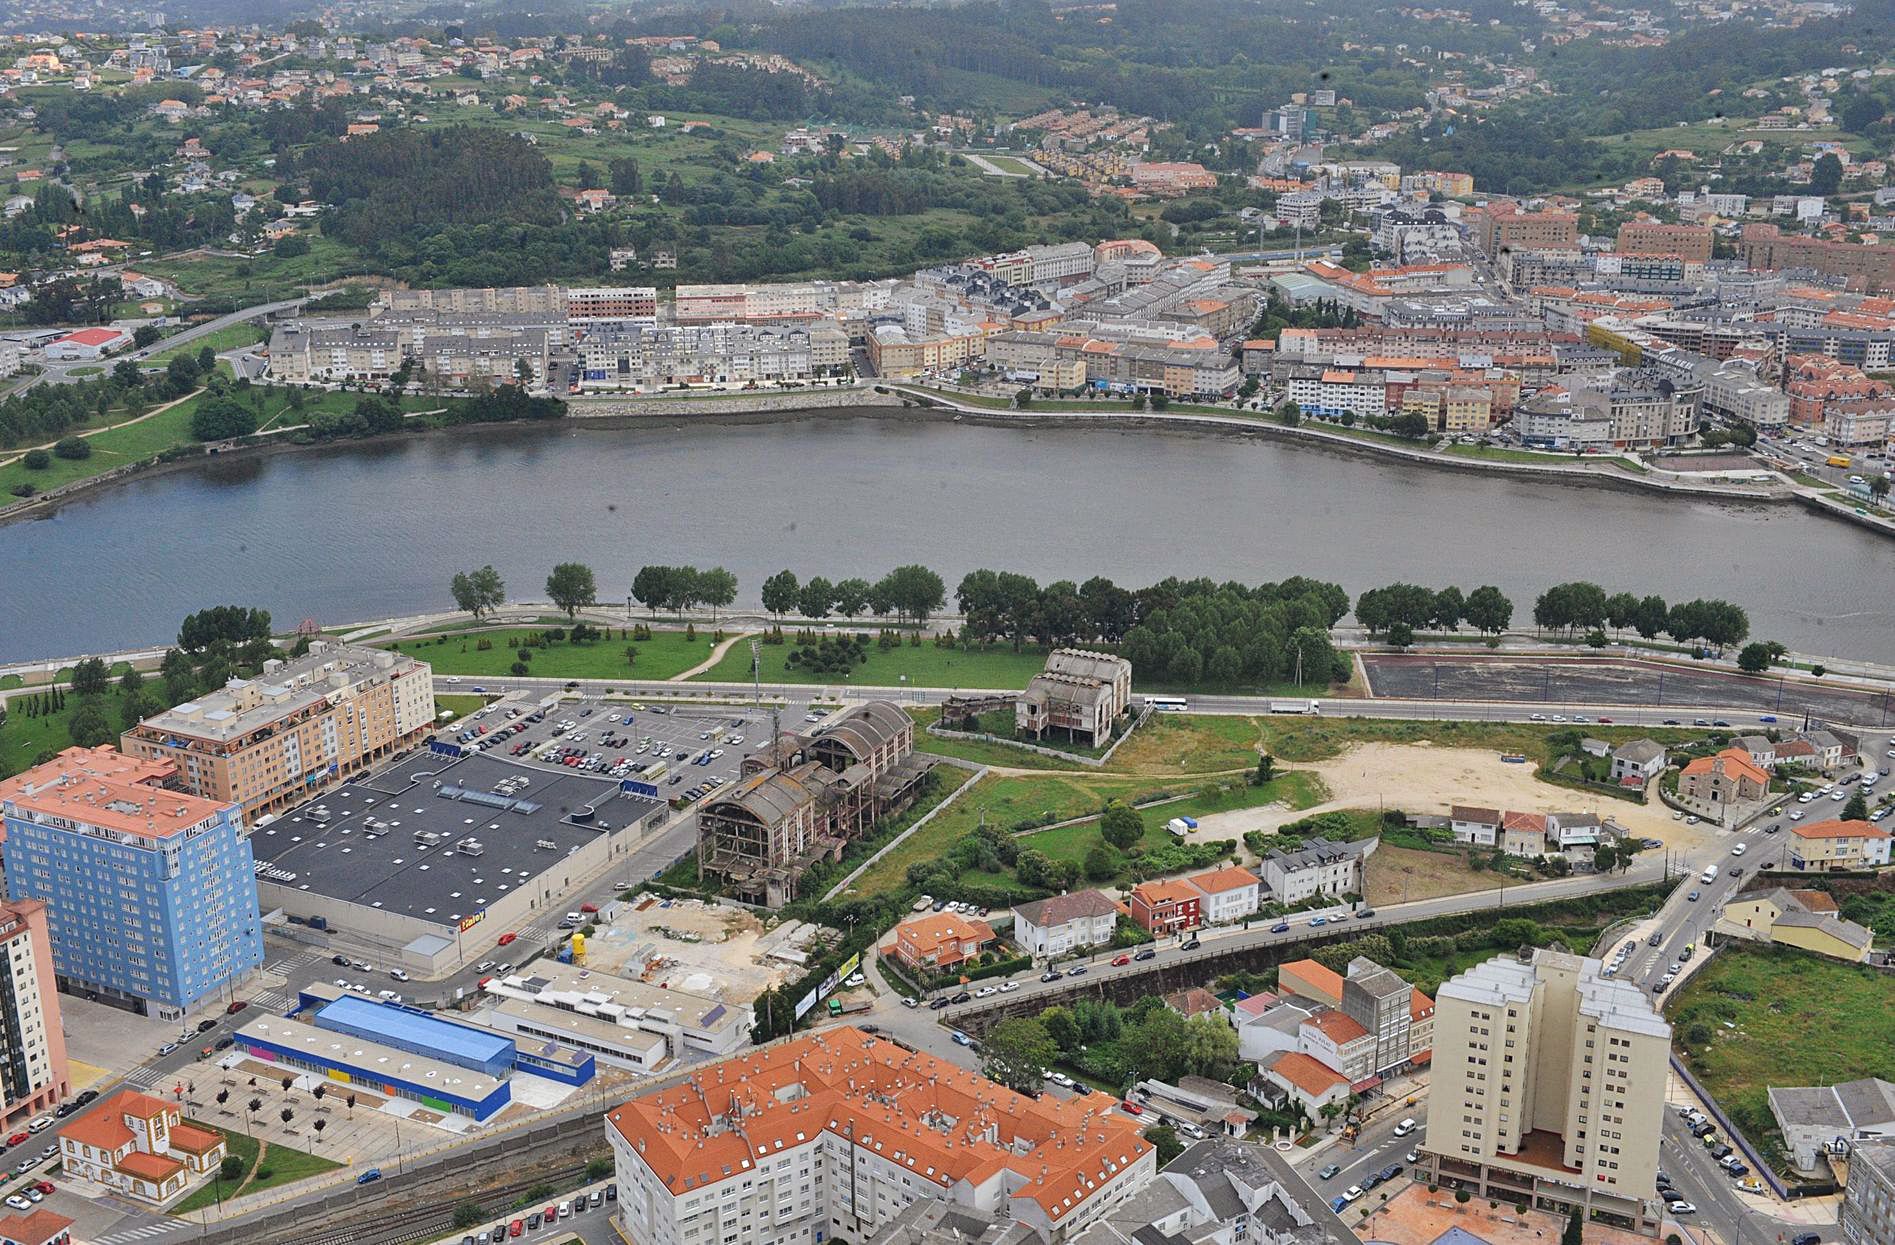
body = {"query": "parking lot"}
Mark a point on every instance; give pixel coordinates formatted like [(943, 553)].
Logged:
[(685, 751)]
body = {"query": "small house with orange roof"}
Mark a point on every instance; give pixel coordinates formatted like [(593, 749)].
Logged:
[(38, 1226), (139, 1146), (1230, 893), (940, 941), (1311, 982), (1730, 777), (1292, 1076), (1167, 907)]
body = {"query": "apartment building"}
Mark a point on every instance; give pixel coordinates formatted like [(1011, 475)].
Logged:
[(652, 358), (1866, 268), (1080, 692), (1859, 423), (1549, 1087), (1502, 225), (1650, 237), (33, 1071), (1229, 893), (301, 725), (898, 354), (710, 304), (837, 1133), (540, 300), (1634, 410), (604, 305), (151, 898), (453, 350), (1837, 845), (1868, 1200)]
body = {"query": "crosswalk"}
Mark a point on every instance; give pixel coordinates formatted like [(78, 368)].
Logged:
[(129, 1236), (147, 1077), (271, 1000)]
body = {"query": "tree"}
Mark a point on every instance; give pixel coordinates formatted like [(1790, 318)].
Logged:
[(232, 1167), (1016, 1052), (467, 1214), (1825, 176), (73, 449), (652, 586), (1755, 658), (91, 677), (1098, 864), (286, 1115), (36, 460), (817, 595), (478, 592), (1488, 610), (144, 335), (851, 596), (88, 725), (1401, 635), (780, 593), (1164, 1138), (1575, 1231), (1120, 825), (1266, 768), (914, 591), (1061, 1027), (571, 587), (717, 588), (219, 419), (1857, 807), (1289, 414)]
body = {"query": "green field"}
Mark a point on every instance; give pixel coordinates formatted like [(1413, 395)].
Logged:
[(1302, 739), (230, 337), (1794, 1017), (926, 666), (285, 1165), (1009, 164), (666, 654), (1004, 800), (258, 278)]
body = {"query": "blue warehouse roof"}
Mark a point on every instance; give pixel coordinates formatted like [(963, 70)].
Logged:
[(408, 1030)]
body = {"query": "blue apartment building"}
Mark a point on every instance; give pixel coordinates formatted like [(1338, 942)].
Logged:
[(151, 893)]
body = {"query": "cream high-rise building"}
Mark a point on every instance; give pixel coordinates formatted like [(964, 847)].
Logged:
[(1549, 1086), (301, 725)]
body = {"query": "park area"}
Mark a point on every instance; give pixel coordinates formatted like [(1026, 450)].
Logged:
[(1758, 1016), (553, 654), (260, 1166)]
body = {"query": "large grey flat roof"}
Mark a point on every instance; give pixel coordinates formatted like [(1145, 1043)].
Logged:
[(367, 852)]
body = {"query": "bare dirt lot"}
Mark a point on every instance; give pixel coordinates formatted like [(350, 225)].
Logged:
[(1421, 778), (706, 945), (1399, 874)]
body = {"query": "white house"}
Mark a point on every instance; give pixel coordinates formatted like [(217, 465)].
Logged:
[(1639, 761), (1318, 867), (1480, 826), (1230, 894), (1063, 923), (1265, 1025)]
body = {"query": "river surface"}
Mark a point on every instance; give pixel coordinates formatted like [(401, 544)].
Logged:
[(371, 531)]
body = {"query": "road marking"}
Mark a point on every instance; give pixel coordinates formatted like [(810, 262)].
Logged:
[(275, 1000), (145, 1232)]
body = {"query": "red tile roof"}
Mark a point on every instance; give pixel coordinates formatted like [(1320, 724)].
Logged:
[(1311, 1075), (1836, 829), (1337, 1027), (153, 1167), (924, 1113), (1218, 881)]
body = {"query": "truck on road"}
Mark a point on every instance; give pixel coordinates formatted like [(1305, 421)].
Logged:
[(1295, 706), (838, 1008)]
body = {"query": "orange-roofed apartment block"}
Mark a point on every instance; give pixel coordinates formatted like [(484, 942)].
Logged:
[(1825, 846), (1230, 893), (138, 1146), (835, 1134), (940, 942)]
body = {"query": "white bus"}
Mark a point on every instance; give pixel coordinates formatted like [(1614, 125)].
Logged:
[(1167, 704)]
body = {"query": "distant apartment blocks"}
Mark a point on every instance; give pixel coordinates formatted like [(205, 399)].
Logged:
[(270, 742), (1503, 226), (33, 1070), (1867, 268)]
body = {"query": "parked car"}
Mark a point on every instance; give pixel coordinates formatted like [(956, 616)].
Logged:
[(1329, 1172), (370, 1176)]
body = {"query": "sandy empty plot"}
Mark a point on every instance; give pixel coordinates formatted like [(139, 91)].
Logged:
[(1422, 778)]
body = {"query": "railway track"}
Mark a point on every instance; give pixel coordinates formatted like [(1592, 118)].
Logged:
[(388, 1225)]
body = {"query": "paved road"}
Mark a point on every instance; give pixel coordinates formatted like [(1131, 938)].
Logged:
[(60, 373)]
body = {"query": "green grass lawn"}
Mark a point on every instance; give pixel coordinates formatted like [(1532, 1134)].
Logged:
[(666, 654), (258, 278), (1009, 164), (460, 706), (1302, 739), (109, 450), (1799, 1019), (926, 666), (229, 337), (285, 1165), (24, 738), (1004, 800)]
